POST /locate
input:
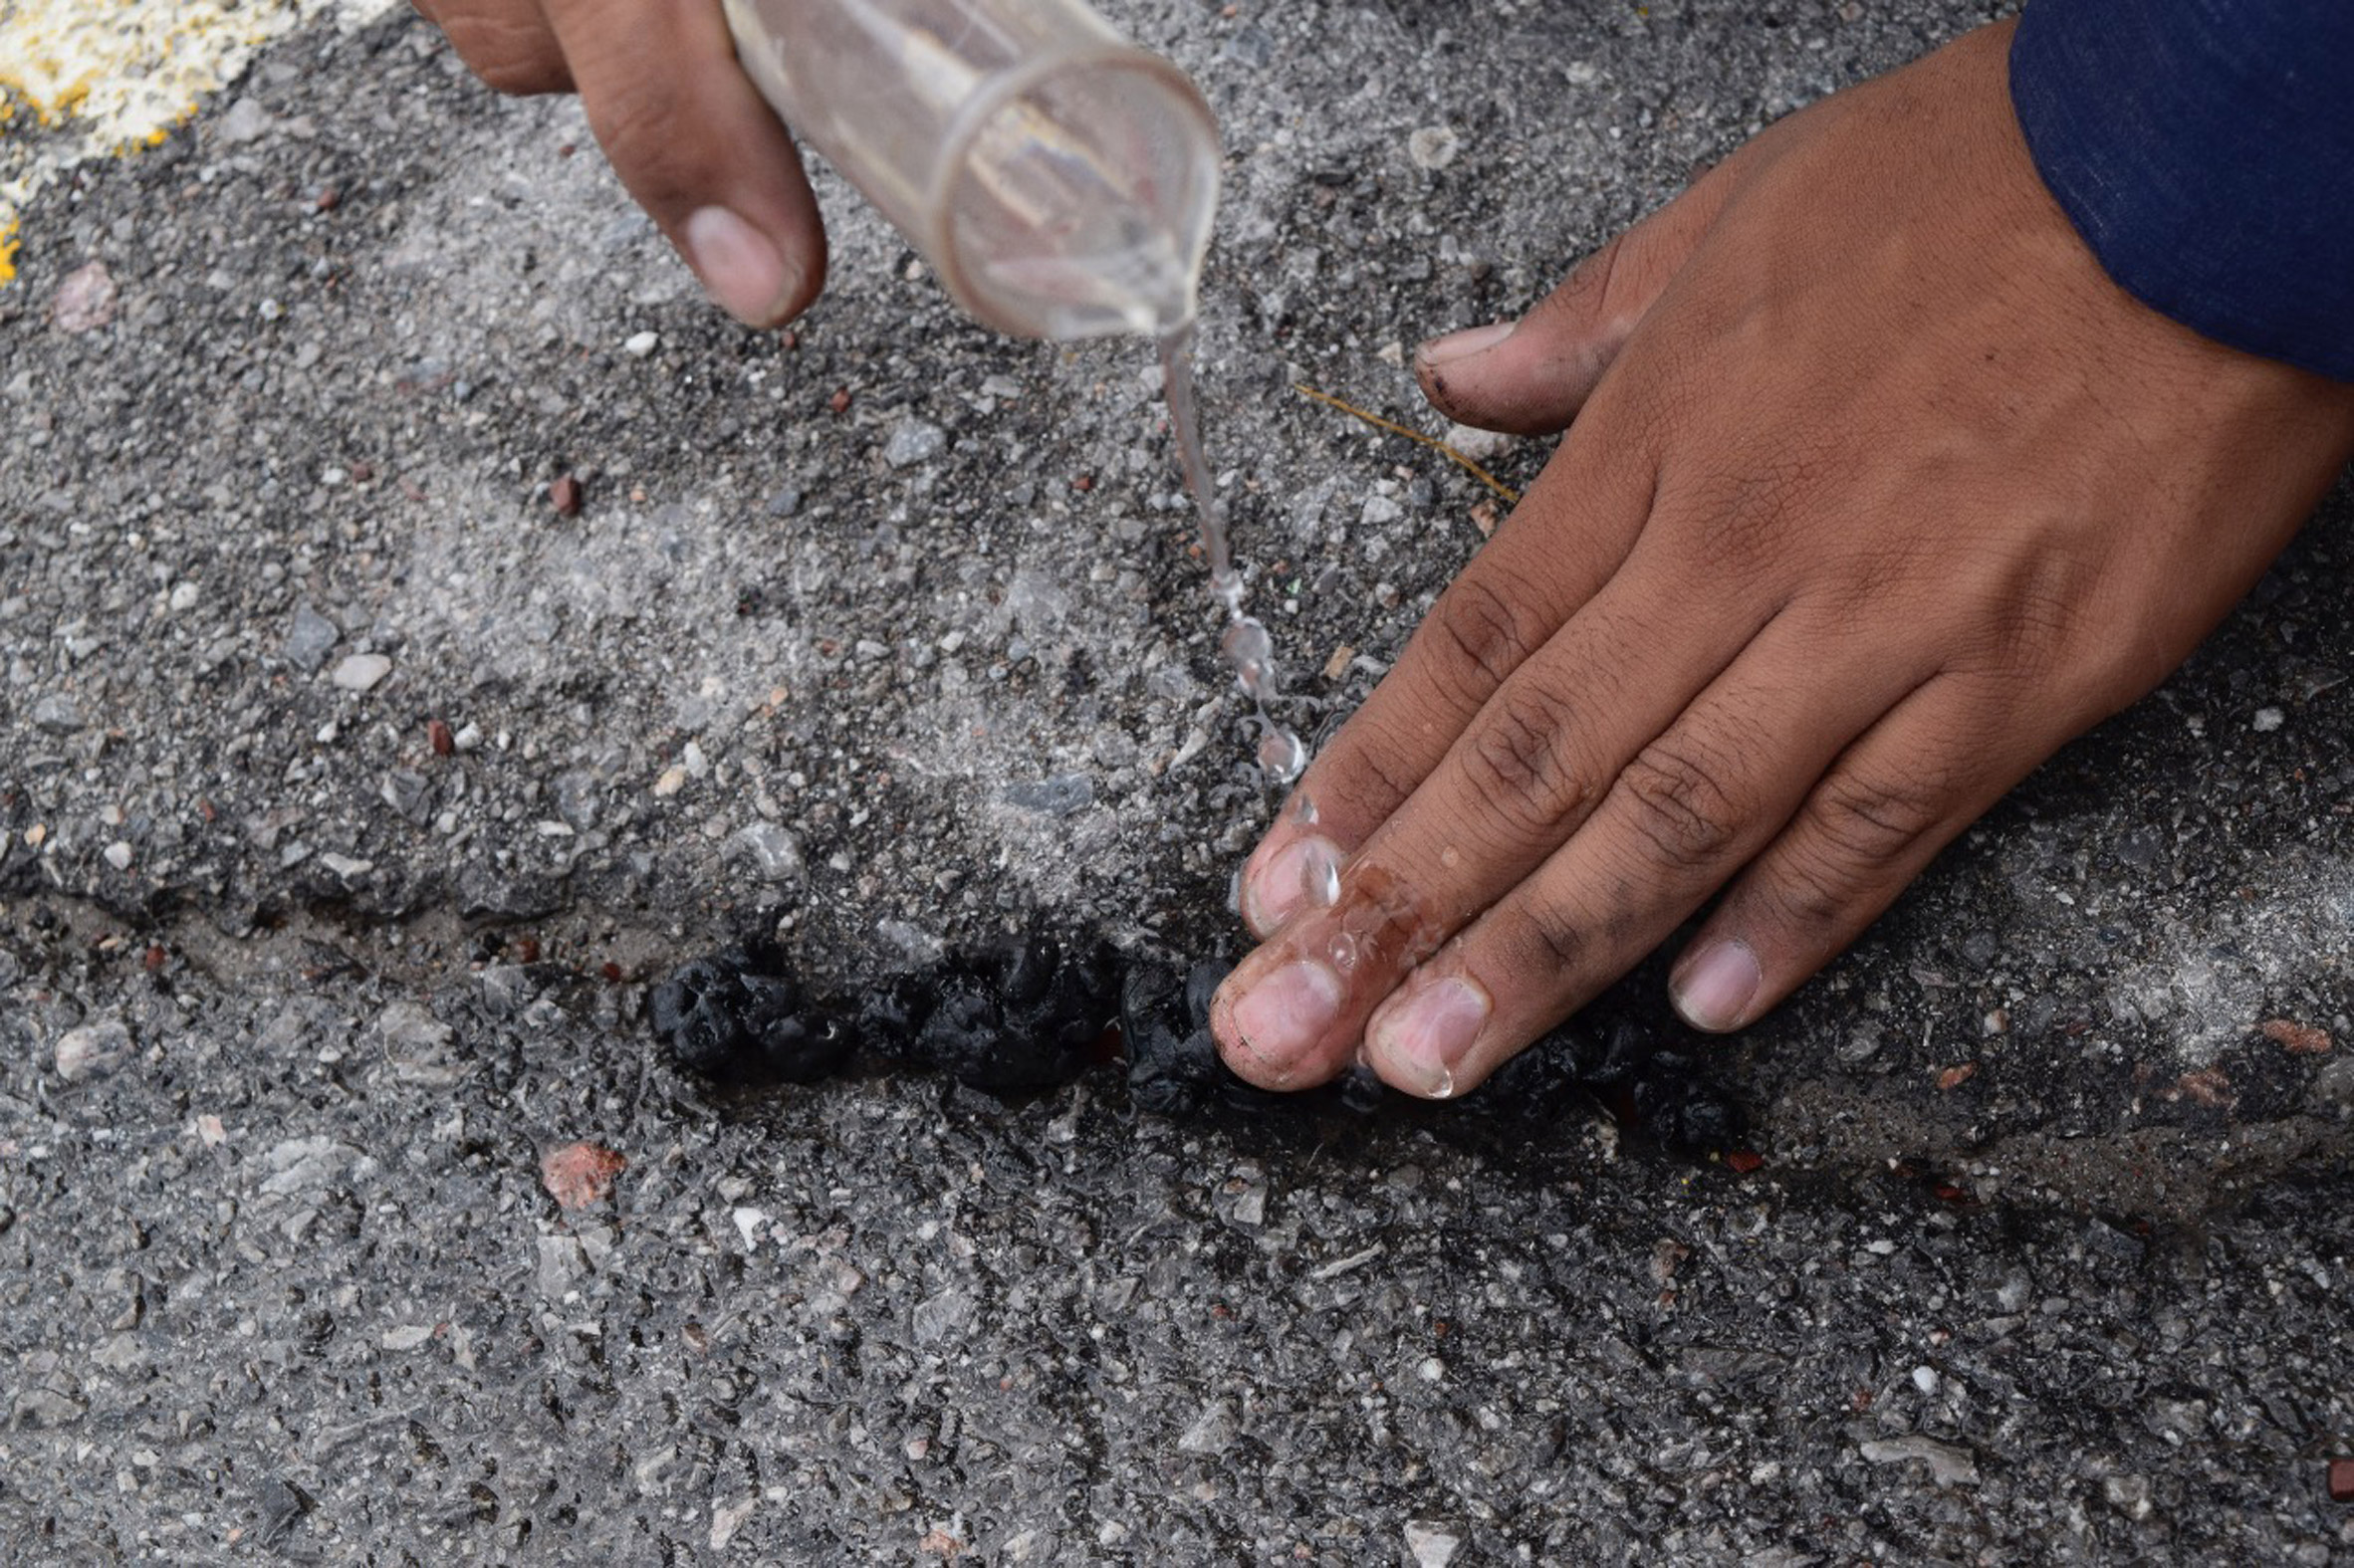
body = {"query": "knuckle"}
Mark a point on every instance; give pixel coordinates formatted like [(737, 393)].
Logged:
[(1520, 762), (1870, 824), (1543, 940), (1809, 894), (1479, 636), (1361, 782), (1587, 290), (1681, 804), (509, 54), (645, 132)]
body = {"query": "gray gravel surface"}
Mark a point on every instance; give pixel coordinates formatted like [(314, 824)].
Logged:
[(424, 624)]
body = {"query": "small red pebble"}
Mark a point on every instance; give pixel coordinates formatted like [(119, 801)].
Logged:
[(1948, 1192), (2303, 1040), (155, 959), (565, 496), (2341, 1480), (565, 150), (1083, 482), (443, 740), (840, 402), (612, 971), (1744, 1160), (1953, 1077), (580, 1174), (528, 950), (2208, 1086), (329, 199)]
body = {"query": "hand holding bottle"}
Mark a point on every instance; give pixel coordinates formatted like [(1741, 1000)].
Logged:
[(684, 127), (1060, 180)]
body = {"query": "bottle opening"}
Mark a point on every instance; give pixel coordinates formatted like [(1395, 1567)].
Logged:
[(1082, 204)]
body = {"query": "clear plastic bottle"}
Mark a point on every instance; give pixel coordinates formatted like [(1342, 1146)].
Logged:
[(1060, 180)]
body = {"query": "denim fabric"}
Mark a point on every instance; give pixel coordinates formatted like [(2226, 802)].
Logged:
[(2205, 149)]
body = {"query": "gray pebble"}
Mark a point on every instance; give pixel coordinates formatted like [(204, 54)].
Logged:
[(58, 714), (247, 121), (418, 1046), (914, 441), (309, 639), (942, 1317), (297, 1164), (1949, 1465), (1063, 796), (773, 853), (362, 671), (1251, 47), (93, 1051), (1433, 147), (1431, 1545), (1213, 1431)]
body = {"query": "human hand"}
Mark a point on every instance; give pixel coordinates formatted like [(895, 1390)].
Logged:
[(684, 127), (1879, 491)]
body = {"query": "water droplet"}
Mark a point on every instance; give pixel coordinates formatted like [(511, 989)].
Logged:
[(1281, 755), (1246, 641), (1319, 875), (1246, 646)]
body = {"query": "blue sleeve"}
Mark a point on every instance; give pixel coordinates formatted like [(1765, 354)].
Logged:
[(2205, 149)]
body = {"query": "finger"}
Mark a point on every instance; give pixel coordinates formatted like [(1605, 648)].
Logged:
[(1899, 795), (699, 149), (1556, 551), (1522, 777), (1681, 818), (507, 44), (1531, 376)]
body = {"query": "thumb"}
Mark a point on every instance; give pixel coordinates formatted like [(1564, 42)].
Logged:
[(1530, 377), (699, 149)]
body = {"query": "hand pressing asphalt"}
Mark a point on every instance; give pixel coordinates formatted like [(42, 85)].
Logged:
[(1875, 491)]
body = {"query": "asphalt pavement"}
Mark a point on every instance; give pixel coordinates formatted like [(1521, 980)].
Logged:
[(424, 625)]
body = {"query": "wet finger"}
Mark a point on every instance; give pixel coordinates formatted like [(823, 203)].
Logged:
[(1555, 553), (1519, 779), (1680, 818)]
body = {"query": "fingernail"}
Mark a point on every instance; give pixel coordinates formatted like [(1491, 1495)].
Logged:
[(1714, 991), (742, 269), (1462, 345), (1426, 1038), (1305, 872), (1286, 1014)]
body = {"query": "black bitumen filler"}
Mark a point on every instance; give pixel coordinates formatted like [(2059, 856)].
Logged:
[(1036, 1011)]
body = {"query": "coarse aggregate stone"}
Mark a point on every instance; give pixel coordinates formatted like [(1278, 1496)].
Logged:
[(359, 784)]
